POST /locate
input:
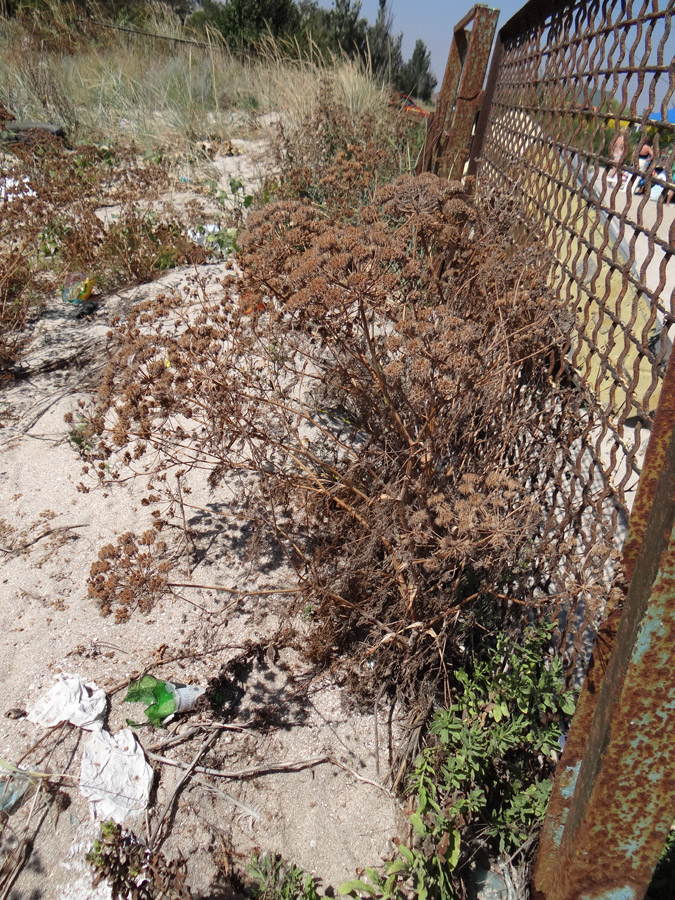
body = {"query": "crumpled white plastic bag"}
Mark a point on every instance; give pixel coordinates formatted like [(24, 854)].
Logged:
[(71, 700), (115, 776)]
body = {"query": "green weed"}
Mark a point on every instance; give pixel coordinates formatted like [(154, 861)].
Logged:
[(79, 434), (494, 748), (134, 870), (273, 879), (427, 872)]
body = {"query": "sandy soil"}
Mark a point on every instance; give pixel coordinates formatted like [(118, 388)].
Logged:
[(328, 816)]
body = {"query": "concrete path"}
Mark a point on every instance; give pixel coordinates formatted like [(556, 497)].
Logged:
[(657, 271)]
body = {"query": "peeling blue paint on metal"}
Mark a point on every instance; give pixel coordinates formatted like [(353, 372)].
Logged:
[(630, 848), (559, 829), (650, 627), (568, 790)]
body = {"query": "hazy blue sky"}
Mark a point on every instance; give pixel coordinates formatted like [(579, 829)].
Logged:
[(431, 20), (434, 20)]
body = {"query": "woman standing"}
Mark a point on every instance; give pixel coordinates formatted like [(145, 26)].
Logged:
[(617, 152)]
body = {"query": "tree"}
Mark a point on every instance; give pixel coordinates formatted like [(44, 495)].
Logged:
[(315, 26), (182, 8), (348, 28), (415, 78), (242, 22), (385, 49)]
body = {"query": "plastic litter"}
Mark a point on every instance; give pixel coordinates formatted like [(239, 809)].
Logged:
[(214, 238), (70, 700), (655, 192), (490, 885), (115, 776), (205, 235), (163, 698), (13, 790), (77, 288)]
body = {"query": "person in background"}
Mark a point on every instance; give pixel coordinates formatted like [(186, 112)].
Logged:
[(617, 152), (670, 196), (645, 154)]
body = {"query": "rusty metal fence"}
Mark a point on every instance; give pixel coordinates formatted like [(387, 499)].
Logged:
[(574, 126), (570, 82), (573, 92)]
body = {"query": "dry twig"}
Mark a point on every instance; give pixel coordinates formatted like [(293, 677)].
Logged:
[(189, 770)]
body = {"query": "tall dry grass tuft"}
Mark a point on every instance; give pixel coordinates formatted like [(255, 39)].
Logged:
[(287, 79), (101, 83)]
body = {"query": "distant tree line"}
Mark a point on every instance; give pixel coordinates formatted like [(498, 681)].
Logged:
[(304, 25), (340, 29)]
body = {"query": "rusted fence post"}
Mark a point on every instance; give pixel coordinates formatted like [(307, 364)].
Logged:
[(450, 130), (613, 801), (566, 76)]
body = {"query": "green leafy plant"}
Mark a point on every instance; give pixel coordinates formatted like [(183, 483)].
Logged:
[(426, 870), (239, 192), (79, 433), (495, 746), (216, 241), (235, 201), (273, 879), (133, 870), (485, 778)]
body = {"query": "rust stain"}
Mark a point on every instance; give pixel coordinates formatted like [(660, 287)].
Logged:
[(449, 134), (654, 508), (616, 805), (656, 463), (624, 805)]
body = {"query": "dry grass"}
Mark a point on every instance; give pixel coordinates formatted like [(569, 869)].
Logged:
[(117, 94), (98, 82)]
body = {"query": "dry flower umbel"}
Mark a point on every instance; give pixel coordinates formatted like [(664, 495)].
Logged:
[(391, 384), (129, 575)]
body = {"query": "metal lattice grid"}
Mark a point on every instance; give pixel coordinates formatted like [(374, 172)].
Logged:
[(568, 79)]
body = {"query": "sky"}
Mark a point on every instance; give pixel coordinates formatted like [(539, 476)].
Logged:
[(431, 20), (434, 22)]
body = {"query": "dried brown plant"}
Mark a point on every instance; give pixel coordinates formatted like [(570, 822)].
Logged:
[(49, 195), (129, 575), (386, 381), (338, 156)]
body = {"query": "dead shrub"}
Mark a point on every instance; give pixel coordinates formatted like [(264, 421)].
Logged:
[(386, 382), (14, 301), (337, 158)]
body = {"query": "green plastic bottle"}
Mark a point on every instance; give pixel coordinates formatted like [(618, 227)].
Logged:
[(162, 698)]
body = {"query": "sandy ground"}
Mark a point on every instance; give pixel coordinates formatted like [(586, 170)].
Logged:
[(329, 816)]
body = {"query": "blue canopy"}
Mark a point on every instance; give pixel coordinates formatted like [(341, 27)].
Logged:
[(656, 115)]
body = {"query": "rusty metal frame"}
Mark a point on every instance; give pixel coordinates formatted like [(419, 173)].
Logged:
[(565, 77), (613, 802), (450, 130)]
